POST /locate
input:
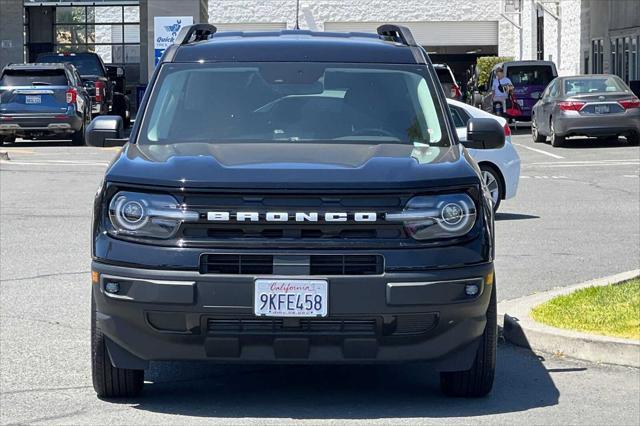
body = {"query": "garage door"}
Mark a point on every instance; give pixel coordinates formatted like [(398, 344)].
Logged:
[(251, 26), (461, 33)]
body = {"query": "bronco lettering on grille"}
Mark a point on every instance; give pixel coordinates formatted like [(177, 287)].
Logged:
[(222, 216)]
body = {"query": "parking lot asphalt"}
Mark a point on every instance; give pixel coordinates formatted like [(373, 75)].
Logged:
[(576, 217)]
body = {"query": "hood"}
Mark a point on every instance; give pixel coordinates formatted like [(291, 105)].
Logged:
[(292, 166)]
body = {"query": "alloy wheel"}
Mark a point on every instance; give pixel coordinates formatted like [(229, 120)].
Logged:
[(492, 184)]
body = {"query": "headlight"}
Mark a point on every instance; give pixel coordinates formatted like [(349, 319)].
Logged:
[(437, 216), (147, 215)]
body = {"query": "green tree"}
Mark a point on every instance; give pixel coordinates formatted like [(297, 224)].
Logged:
[(486, 63)]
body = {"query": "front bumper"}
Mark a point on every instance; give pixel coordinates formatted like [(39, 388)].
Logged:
[(393, 317), (25, 124)]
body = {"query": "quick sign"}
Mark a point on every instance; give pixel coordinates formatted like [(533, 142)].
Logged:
[(165, 30)]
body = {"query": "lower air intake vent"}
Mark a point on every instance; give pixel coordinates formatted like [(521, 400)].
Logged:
[(236, 264), (278, 326), (259, 264), (347, 265)]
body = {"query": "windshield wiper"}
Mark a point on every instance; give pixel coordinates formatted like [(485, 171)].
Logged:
[(40, 83)]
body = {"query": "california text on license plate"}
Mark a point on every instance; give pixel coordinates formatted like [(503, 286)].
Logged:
[(290, 298)]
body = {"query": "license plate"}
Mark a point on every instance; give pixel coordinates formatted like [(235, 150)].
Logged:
[(602, 109), (33, 99), (290, 298)]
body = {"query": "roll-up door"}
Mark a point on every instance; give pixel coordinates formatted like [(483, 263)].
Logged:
[(458, 33), (251, 26)]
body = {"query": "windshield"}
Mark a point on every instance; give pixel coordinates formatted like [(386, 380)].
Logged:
[(575, 86), (292, 102), (86, 65), (539, 75), (33, 78)]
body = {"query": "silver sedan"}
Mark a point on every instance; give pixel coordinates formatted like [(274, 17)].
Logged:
[(598, 105)]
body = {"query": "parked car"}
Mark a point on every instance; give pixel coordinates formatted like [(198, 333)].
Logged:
[(242, 223), (105, 83), (529, 79), (38, 100), (501, 166), (448, 81), (597, 105)]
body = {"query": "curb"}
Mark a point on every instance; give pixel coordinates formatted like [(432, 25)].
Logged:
[(522, 330), (4, 155)]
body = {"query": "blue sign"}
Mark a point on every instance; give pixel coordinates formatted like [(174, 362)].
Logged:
[(165, 30)]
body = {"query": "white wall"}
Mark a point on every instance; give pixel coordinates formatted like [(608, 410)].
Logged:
[(314, 13)]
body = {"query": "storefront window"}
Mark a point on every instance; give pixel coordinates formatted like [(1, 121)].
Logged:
[(597, 56), (112, 31), (626, 59), (110, 28), (634, 74), (620, 58), (612, 64)]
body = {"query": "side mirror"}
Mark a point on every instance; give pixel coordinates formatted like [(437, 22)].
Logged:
[(484, 133), (104, 131)]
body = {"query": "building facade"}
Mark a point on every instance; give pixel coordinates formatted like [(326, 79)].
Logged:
[(610, 41), (455, 32)]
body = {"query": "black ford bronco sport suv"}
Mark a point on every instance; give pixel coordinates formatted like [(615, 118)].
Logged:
[(293, 197)]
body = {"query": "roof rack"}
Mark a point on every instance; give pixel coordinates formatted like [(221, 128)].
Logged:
[(192, 33), (397, 33)]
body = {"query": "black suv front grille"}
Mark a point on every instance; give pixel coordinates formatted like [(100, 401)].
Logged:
[(248, 234), (259, 264)]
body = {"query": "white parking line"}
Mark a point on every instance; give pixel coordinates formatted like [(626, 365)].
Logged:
[(592, 164), (620, 160), (540, 151), (53, 163)]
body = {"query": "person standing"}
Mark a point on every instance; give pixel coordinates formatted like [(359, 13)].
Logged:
[(501, 87)]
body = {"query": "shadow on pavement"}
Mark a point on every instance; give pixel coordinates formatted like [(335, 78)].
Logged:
[(339, 392), (515, 216), (574, 143)]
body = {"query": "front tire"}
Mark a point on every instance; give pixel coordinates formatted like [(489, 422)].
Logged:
[(477, 381), (494, 183), (110, 381)]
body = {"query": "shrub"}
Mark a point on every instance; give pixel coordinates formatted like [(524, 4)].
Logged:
[(486, 63)]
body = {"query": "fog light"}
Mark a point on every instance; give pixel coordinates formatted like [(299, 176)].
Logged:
[(471, 289), (112, 288)]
